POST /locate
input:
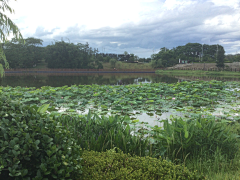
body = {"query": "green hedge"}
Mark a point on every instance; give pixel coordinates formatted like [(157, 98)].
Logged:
[(117, 165), (34, 146)]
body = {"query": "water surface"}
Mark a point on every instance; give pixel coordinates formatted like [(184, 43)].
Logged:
[(57, 80), (61, 79)]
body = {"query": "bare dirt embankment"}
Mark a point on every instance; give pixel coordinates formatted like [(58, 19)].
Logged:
[(207, 65)]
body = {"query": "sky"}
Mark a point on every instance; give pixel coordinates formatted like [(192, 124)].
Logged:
[(140, 27)]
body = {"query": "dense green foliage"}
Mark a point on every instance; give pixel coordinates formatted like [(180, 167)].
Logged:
[(232, 58), (193, 52), (58, 55), (33, 145), (116, 165), (24, 55), (69, 55)]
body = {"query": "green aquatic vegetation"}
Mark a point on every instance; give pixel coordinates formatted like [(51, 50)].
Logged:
[(124, 99), (154, 99)]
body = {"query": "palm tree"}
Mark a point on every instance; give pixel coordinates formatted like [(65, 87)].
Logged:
[(7, 26)]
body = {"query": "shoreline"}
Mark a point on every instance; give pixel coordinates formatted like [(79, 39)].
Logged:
[(31, 72)]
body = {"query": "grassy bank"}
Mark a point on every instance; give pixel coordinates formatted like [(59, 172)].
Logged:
[(106, 65), (123, 65), (198, 73)]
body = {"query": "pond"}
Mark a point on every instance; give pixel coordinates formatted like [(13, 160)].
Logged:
[(57, 80), (147, 103)]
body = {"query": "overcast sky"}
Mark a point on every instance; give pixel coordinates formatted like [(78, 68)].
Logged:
[(136, 26)]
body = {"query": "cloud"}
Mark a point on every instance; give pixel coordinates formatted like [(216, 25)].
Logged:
[(41, 32), (152, 24)]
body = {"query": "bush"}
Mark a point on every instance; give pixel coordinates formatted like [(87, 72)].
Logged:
[(33, 146), (116, 165)]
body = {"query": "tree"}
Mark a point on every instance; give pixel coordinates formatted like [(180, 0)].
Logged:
[(157, 63), (21, 55), (68, 55), (119, 64), (131, 58), (13, 51), (7, 26), (136, 58), (220, 57), (164, 58), (113, 62)]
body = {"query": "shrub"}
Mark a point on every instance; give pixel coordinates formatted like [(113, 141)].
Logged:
[(33, 146), (117, 165)]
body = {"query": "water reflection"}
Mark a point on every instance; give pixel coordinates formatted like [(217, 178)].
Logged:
[(207, 78), (61, 79), (57, 80)]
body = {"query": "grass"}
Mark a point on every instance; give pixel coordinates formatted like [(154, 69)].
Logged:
[(122, 65), (198, 73), (219, 168), (106, 65)]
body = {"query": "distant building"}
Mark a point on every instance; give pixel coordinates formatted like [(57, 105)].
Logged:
[(117, 56), (183, 61), (108, 55)]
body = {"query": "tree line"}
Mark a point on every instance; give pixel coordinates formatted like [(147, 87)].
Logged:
[(61, 54), (57, 55), (23, 55), (192, 52)]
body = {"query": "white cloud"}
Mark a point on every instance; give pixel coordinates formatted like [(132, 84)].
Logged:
[(136, 26), (178, 4), (232, 3)]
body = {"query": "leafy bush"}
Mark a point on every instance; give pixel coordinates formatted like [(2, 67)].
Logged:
[(196, 136), (33, 146), (117, 165)]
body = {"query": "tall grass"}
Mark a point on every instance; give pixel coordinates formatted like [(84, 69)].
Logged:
[(100, 133), (218, 166), (196, 135)]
